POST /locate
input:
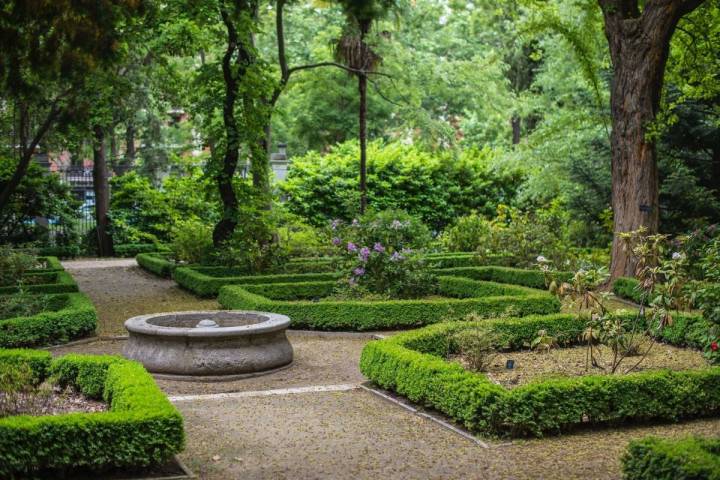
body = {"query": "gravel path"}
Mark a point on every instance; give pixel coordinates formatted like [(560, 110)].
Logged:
[(120, 290), (344, 434)]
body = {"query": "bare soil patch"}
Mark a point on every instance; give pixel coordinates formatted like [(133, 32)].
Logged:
[(532, 366), (47, 400)]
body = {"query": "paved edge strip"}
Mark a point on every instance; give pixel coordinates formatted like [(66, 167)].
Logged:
[(266, 393), (432, 418)]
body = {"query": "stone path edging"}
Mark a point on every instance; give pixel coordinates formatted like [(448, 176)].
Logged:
[(265, 393)]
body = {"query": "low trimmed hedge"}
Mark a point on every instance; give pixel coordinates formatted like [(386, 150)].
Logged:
[(156, 263), (72, 316), (133, 249), (514, 276), (207, 281), (414, 365), (66, 251), (52, 264), (286, 298), (140, 428), (659, 459), (52, 282)]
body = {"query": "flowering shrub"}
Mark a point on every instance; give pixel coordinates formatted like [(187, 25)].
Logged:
[(380, 252)]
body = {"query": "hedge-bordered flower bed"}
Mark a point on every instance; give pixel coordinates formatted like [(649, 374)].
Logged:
[(140, 428), (156, 263), (483, 298), (207, 281), (52, 264), (71, 316), (658, 459), (50, 282), (414, 364)]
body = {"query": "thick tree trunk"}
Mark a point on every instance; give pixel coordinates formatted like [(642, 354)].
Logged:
[(639, 44), (362, 87), (102, 193)]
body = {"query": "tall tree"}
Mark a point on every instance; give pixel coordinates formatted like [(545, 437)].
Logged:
[(639, 35), (354, 50), (47, 50)]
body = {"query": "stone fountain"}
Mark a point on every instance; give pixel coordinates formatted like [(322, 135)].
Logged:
[(209, 345)]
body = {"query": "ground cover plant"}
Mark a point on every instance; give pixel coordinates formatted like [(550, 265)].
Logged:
[(312, 305), (140, 427)]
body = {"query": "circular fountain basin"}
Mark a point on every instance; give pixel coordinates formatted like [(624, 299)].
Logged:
[(209, 345)]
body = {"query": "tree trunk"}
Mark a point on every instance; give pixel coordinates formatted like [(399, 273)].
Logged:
[(102, 193), (515, 124), (639, 45), (362, 86), (130, 152), (226, 171)]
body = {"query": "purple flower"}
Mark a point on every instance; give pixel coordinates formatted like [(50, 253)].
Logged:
[(336, 241), (364, 254), (335, 223), (351, 247), (396, 257), (360, 271), (378, 247)]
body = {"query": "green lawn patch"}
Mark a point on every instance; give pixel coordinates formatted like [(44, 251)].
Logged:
[(69, 316), (140, 428), (303, 302), (414, 365)]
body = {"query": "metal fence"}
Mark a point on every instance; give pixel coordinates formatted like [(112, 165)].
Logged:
[(80, 181)]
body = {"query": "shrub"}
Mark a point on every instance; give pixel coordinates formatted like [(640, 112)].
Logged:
[(141, 427), (67, 317), (412, 365), (435, 187), (660, 459), (379, 255), (132, 249), (13, 265), (467, 234), (192, 241), (22, 304), (478, 346)]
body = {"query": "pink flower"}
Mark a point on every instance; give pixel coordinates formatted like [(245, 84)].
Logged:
[(714, 346)]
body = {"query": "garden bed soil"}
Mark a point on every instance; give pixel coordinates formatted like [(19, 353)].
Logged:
[(52, 401), (533, 366)]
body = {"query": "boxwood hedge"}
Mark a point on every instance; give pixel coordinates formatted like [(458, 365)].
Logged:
[(414, 364), (70, 316), (292, 299), (133, 249), (44, 282), (628, 288), (156, 263), (50, 264), (659, 459), (140, 428), (207, 281)]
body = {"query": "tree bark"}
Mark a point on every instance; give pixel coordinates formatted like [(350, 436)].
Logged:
[(130, 152), (515, 124), (362, 87), (639, 45), (102, 193)]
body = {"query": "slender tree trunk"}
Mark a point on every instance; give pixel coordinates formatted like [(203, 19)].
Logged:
[(362, 87), (225, 173), (130, 152), (515, 124), (639, 44), (102, 193)]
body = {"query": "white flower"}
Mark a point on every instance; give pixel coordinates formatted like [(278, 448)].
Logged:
[(677, 255), (541, 259)]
